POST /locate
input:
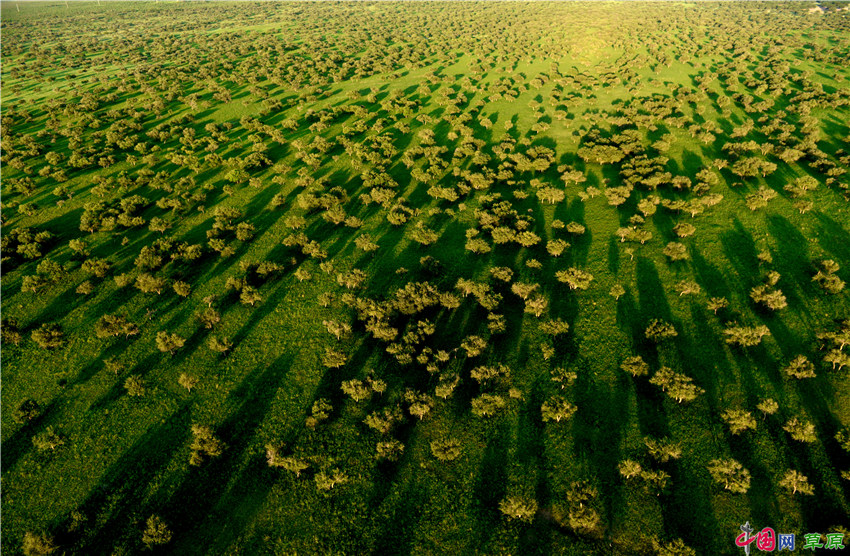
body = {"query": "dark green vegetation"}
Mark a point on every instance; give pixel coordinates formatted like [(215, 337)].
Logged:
[(423, 278)]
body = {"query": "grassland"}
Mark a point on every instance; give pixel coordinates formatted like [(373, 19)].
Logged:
[(231, 163)]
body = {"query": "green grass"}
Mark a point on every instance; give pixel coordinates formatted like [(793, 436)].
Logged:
[(126, 458)]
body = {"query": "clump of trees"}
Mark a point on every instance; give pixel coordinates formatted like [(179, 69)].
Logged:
[(745, 336), (731, 474), (659, 330), (204, 445), (156, 533), (519, 508)]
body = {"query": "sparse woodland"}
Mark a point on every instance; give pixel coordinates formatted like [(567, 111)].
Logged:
[(423, 278)]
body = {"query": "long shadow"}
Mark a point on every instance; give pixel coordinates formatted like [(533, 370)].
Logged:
[(688, 515), (793, 261), (531, 453), (834, 238), (598, 431), (613, 256), (397, 533), (763, 503), (117, 390), (709, 277), (740, 249), (203, 507), (124, 486), (491, 482), (20, 442), (651, 295)]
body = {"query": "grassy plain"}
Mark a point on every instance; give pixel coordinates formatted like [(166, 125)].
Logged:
[(607, 67)]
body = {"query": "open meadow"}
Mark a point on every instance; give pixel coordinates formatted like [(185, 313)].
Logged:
[(424, 278)]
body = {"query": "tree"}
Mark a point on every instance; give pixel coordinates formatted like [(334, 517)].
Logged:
[(365, 242), (209, 317), (496, 323), (158, 224), (575, 228), (684, 229), (390, 450), (487, 405), (524, 290), (550, 195), (219, 345), (446, 449), (424, 235), (292, 464), (187, 381), (745, 336), (327, 480), (357, 390), (738, 420), (655, 481), (800, 367), (678, 386), (827, 279), (843, 439), (717, 303), (556, 247), (575, 278), (48, 336), (320, 411), (182, 288), (795, 482), (249, 296), (659, 330), (149, 283), (556, 409), (204, 443), (752, 166), (676, 251), (36, 544), (27, 411), (731, 474), (629, 469), (484, 374), (555, 327), (478, 246), (519, 508), (617, 291), (580, 516), (802, 431), (768, 407), (676, 547), (635, 366), (115, 325), (584, 520), (473, 345), (383, 421), (687, 287), (338, 329), (85, 288), (156, 532), (334, 359), (771, 298), (10, 332), (48, 439), (683, 390), (135, 386), (169, 342), (662, 450)]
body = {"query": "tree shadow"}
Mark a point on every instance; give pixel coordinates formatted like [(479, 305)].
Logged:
[(123, 488), (208, 523)]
